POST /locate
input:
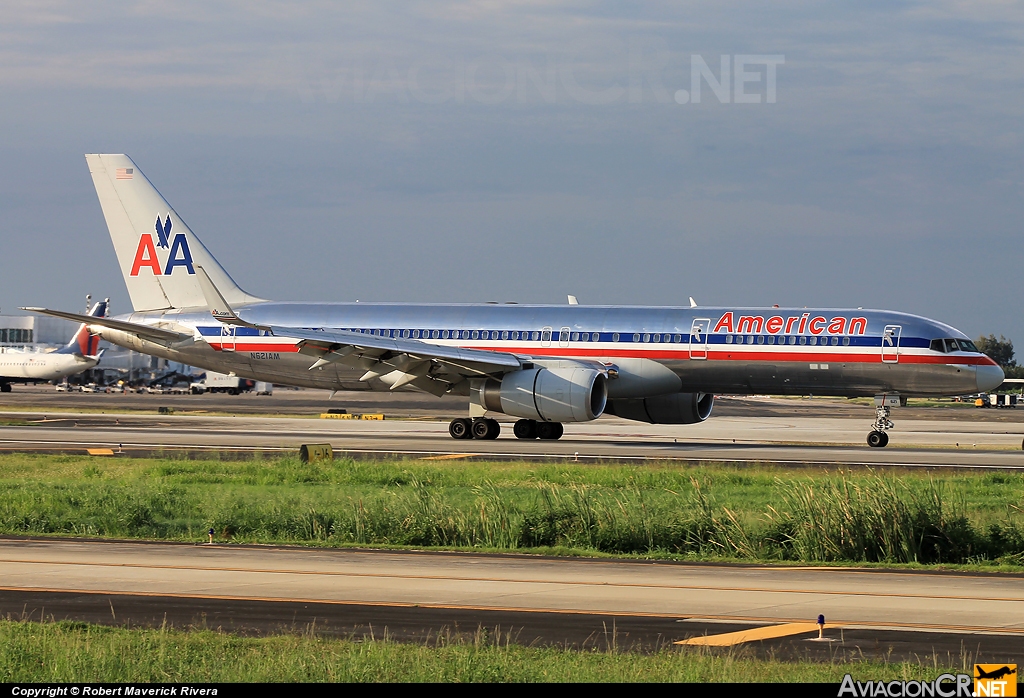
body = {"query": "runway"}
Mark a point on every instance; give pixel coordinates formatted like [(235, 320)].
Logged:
[(779, 439), (535, 600)]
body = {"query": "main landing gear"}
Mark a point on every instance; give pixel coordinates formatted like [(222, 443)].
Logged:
[(878, 438), (487, 429), (474, 428), (532, 429)]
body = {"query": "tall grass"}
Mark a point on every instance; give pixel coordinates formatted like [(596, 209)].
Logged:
[(712, 512), (77, 652)]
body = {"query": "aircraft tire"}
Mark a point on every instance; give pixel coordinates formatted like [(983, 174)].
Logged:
[(461, 429), (525, 429), (5, 387), (550, 431), (486, 429), (878, 439)]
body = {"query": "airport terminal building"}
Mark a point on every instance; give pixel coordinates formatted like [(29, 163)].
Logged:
[(34, 333)]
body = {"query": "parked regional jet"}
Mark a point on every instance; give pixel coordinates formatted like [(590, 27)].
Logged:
[(545, 364), (80, 354)]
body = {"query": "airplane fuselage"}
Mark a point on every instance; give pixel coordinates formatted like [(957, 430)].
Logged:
[(708, 350), (18, 366)]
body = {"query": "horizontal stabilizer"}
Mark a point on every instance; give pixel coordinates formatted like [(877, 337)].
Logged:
[(153, 334)]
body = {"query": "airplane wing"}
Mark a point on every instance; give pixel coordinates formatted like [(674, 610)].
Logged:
[(430, 367), (147, 332)]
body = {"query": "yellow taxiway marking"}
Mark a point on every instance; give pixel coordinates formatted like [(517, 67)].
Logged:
[(740, 636), (99, 451), (450, 456)]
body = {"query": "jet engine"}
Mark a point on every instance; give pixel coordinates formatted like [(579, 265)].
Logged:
[(572, 394), (677, 408)]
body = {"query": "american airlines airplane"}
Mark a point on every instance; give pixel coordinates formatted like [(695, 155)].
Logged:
[(80, 354), (545, 364)]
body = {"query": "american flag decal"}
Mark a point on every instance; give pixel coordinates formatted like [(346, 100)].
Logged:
[(124, 172)]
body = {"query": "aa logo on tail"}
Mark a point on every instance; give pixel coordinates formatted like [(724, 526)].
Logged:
[(146, 256)]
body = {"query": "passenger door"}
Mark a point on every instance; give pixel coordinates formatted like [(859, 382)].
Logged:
[(227, 337), (891, 344), (699, 338)]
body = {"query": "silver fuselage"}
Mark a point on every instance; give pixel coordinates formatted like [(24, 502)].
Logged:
[(712, 350)]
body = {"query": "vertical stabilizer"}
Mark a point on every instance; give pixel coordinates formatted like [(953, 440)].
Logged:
[(157, 252), (85, 343)]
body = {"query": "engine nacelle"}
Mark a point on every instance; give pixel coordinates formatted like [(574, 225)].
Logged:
[(573, 394), (678, 408)]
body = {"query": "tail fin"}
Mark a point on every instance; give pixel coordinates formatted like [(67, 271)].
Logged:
[(157, 252), (84, 343)]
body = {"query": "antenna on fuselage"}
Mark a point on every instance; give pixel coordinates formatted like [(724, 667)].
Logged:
[(693, 303), (572, 300)]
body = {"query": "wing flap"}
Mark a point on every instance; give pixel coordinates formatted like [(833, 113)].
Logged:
[(387, 354)]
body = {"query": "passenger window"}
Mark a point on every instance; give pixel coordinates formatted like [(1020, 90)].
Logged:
[(846, 341), (615, 336), (728, 339), (750, 339), (405, 333), (792, 339), (545, 336), (803, 340), (636, 338), (677, 338), (575, 336), (475, 335), (760, 339), (835, 341)]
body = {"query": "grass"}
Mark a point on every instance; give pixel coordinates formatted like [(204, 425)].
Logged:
[(79, 652), (712, 512)]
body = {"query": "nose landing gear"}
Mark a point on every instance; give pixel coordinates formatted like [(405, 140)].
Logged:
[(883, 405)]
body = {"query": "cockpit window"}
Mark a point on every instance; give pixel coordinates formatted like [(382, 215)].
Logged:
[(938, 345), (951, 345), (968, 345)]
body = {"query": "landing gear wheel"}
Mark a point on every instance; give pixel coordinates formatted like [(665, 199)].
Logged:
[(461, 429), (5, 387), (549, 430), (878, 439), (487, 429), (525, 429)]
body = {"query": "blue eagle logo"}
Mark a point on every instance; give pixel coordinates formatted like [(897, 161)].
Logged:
[(163, 232)]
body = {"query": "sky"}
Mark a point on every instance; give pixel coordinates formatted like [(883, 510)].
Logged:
[(861, 154)]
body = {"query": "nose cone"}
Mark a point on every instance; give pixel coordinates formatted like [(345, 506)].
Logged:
[(989, 378)]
